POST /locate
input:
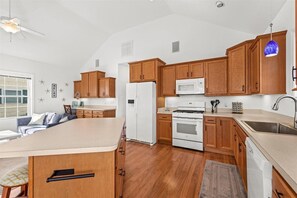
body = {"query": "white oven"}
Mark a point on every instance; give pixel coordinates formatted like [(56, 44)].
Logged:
[(190, 86), (188, 132)]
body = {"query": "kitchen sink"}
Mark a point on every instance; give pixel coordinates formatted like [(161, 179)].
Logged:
[(271, 127)]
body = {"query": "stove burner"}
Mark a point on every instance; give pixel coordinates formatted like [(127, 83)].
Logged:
[(187, 111)]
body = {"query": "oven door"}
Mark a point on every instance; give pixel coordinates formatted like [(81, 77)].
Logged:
[(187, 129)]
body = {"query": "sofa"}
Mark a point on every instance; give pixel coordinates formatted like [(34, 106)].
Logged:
[(50, 120)]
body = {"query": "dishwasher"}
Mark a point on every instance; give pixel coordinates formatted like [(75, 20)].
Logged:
[(259, 172)]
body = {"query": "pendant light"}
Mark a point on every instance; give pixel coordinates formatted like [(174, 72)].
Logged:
[(271, 48)]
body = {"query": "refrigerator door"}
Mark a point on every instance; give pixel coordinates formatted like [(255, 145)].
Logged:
[(146, 112), (131, 111)]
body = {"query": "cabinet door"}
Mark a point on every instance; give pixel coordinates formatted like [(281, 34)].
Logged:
[(93, 85), (164, 129), (168, 81), (77, 88), (148, 71), (216, 77), (237, 70), (244, 165), (196, 70), (224, 134), (84, 85), (210, 135), (102, 87), (280, 187), (135, 72), (182, 72), (255, 68)]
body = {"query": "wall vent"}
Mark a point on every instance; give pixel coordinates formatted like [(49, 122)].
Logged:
[(175, 46), (97, 63), (127, 49)]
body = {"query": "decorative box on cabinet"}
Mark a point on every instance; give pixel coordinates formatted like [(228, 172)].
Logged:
[(89, 84), (107, 87), (268, 74), (164, 128)]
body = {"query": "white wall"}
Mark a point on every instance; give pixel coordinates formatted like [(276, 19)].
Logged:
[(49, 74)]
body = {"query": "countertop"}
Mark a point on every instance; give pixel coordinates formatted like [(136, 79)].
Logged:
[(76, 136), (279, 149), (96, 107), (166, 110)]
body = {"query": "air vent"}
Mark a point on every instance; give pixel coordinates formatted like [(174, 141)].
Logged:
[(127, 49), (175, 46), (97, 63)]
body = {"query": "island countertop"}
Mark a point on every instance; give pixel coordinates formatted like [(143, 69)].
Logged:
[(96, 107), (73, 137)]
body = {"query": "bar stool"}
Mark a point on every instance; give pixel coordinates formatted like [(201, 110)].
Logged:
[(16, 178)]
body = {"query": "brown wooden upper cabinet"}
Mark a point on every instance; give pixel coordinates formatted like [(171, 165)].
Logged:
[(190, 70), (216, 77), (144, 71), (107, 87), (268, 74), (89, 84), (77, 88), (238, 69), (168, 82)]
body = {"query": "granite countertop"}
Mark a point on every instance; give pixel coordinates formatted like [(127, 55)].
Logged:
[(75, 136), (96, 107), (279, 149)]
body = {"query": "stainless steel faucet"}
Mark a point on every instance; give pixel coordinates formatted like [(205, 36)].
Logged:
[(276, 105)]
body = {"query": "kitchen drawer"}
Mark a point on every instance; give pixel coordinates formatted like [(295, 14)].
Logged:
[(79, 112), (101, 184), (98, 116), (88, 112), (164, 116), (280, 187), (210, 119), (97, 113)]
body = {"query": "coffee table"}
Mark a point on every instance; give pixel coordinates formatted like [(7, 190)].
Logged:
[(9, 135)]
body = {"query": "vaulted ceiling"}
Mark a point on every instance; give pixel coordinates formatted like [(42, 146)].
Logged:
[(74, 29)]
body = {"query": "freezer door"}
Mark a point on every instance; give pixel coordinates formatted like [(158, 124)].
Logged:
[(146, 112), (131, 111)]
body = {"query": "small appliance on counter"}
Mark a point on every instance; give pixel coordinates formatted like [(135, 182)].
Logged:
[(214, 104), (237, 107)]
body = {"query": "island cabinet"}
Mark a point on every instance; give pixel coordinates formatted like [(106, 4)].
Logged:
[(145, 71), (280, 187), (89, 84), (80, 113), (268, 74), (238, 68), (107, 87), (239, 150), (164, 128), (168, 81), (190, 70), (218, 135), (216, 77), (77, 89)]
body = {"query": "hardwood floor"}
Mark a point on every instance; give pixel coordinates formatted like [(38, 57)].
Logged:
[(165, 171)]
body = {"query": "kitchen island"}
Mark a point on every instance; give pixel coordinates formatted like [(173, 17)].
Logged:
[(80, 158)]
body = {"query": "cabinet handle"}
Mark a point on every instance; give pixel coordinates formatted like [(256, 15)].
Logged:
[(235, 137), (257, 85), (122, 151), (142, 76), (243, 88), (239, 147), (293, 73), (122, 172), (279, 194), (67, 174)]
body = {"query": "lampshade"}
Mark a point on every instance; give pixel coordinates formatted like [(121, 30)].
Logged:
[(271, 49)]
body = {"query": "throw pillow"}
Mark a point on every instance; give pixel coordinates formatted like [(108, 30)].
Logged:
[(37, 119), (64, 119), (49, 116)]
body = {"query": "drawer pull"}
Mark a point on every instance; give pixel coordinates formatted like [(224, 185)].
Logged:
[(67, 174), (122, 172), (279, 194)]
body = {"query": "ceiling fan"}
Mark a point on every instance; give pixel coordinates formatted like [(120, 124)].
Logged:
[(13, 25)]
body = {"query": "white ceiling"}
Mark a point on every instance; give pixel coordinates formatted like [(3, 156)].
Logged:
[(74, 29)]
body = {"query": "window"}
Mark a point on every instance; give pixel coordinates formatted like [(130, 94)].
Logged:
[(15, 96)]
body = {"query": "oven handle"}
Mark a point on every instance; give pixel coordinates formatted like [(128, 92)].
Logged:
[(187, 119)]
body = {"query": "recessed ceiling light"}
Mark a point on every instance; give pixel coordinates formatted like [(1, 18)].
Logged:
[(151, 0), (220, 4)]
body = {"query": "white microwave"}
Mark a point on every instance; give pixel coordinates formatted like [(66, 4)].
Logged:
[(190, 86)]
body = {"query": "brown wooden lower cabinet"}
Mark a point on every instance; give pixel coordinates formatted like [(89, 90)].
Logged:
[(105, 169), (164, 128), (95, 113), (280, 187)]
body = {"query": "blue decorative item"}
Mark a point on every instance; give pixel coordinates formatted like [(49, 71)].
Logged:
[(271, 48)]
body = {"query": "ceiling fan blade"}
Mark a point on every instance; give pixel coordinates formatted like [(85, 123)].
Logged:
[(32, 31), (4, 18)]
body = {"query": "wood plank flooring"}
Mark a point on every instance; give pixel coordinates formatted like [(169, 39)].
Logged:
[(164, 171)]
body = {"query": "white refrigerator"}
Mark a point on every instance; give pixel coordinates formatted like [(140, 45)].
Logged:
[(141, 112)]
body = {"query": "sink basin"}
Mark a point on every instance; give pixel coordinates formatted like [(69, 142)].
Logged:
[(271, 127)]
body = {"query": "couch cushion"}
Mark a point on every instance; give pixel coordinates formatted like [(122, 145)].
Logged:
[(26, 130), (37, 119), (64, 119), (55, 119)]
